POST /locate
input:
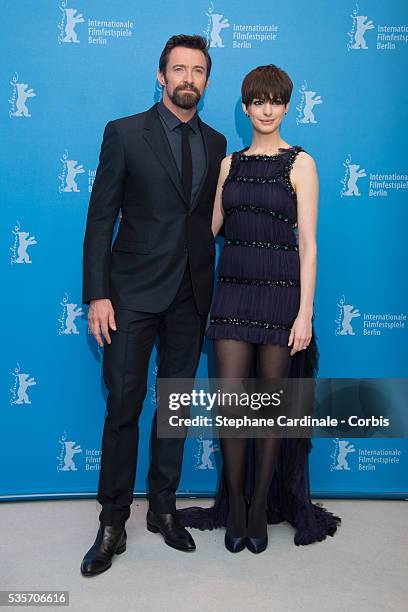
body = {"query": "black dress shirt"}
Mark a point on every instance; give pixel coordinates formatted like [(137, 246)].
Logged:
[(172, 128)]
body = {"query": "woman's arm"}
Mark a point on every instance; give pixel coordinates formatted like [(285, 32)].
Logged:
[(218, 212), (305, 181)]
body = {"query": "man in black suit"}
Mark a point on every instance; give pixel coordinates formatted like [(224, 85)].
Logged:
[(160, 168)]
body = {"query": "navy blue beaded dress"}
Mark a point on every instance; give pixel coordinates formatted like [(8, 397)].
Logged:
[(257, 300)]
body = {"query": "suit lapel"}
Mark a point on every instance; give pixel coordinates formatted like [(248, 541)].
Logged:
[(155, 136)]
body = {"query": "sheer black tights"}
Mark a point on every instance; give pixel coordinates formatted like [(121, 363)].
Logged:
[(233, 360)]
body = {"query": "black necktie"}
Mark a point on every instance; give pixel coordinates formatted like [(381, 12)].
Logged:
[(186, 163)]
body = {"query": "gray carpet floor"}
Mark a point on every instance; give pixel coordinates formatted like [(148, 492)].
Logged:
[(364, 567)]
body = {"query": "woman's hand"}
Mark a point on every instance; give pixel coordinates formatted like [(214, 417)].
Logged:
[(301, 334)]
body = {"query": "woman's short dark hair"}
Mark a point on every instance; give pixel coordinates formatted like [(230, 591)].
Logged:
[(267, 83), (184, 40)]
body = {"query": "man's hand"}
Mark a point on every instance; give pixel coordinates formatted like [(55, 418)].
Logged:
[(101, 316)]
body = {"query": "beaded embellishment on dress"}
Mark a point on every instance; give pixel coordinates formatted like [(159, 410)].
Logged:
[(262, 244), (259, 281), (260, 209)]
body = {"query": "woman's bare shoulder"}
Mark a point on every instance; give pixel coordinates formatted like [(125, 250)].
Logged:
[(226, 165), (227, 160), (304, 160)]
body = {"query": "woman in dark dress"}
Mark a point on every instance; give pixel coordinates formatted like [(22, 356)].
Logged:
[(262, 318)]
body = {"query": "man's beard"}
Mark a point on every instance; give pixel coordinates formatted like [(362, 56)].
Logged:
[(185, 100)]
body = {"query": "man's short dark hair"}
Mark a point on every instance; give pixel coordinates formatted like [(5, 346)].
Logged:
[(184, 40)]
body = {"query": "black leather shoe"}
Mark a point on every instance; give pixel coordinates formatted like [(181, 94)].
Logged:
[(234, 544), (256, 545), (109, 541), (175, 535)]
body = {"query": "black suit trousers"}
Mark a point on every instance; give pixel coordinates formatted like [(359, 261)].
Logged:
[(180, 330)]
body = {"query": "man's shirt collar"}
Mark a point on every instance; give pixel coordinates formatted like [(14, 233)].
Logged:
[(172, 121)]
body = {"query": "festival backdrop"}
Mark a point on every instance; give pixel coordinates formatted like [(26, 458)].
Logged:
[(70, 66)]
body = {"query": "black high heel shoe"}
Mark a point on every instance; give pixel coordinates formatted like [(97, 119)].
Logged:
[(234, 544), (259, 544), (256, 545)]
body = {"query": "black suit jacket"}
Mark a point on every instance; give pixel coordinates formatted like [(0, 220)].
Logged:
[(158, 229)]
